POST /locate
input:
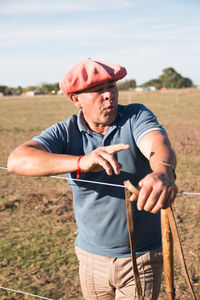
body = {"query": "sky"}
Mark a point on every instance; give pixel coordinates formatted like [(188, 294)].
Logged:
[(40, 40)]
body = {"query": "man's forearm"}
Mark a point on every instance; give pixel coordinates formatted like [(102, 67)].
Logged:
[(162, 156), (32, 159), (157, 149), (157, 189), (163, 159), (35, 161)]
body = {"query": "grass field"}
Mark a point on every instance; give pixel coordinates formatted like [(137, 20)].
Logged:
[(36, 215)]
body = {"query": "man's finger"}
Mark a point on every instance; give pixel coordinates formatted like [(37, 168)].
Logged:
[(132, 189), (145, 191), (112, 162), (116, 148), (155, 202)]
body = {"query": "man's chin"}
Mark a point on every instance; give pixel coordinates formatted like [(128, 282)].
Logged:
[(109, 117)]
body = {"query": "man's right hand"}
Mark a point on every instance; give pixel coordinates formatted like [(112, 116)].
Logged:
[(102, 159)]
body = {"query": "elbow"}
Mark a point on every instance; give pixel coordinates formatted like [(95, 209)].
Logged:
[(11, 164), (15, 163), (19, 161)]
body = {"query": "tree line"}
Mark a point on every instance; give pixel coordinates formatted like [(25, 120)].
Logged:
[(169, 78), (45, 88)]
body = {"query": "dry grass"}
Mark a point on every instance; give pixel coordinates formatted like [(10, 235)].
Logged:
[(36, 214)]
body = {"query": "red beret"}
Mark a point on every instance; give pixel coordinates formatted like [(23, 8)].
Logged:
[(89, 73)]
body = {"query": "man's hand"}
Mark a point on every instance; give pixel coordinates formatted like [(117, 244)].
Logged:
[(102, 159), (156, 191)]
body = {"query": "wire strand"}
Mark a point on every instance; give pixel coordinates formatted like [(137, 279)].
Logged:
[(24, 293), (90, 181), (105, 183)]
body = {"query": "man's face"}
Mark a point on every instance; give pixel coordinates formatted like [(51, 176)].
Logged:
[(99, 103)]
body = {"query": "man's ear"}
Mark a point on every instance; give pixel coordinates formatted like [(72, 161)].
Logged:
[(75, 100)]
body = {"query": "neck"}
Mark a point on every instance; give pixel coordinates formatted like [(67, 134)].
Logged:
[(99, 128)]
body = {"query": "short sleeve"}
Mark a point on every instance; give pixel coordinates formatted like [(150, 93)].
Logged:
[(144, 122), (54, 138)]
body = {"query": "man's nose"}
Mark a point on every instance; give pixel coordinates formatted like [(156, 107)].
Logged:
[(107, 95)]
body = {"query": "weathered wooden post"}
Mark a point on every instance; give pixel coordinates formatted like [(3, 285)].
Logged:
[(132, 243), (170, 236), (167, 248)]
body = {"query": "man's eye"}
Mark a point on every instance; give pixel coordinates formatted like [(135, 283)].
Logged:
[(99, 90)]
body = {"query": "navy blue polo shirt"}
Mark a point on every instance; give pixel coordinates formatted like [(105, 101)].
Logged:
[(100, 210)]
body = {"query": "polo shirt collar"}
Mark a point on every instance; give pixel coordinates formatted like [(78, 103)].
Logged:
[(81, 122)]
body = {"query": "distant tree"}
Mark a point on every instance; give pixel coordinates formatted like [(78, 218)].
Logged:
[(187, 82), (56, 87), (153, 82), (30, 88), (3, 89), (6, 90), (172, 79), (44, 88), (49, 87), (126, 85), (19, 90)]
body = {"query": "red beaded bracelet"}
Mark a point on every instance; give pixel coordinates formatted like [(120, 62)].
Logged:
[(78, 170)]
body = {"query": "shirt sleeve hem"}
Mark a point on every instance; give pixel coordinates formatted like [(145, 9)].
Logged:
[(43, 144), (147, 131)]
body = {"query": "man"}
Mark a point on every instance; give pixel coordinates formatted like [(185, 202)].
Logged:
[(107, 143)]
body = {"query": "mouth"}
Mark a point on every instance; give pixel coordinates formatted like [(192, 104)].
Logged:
[(110, 107), (110, 111)]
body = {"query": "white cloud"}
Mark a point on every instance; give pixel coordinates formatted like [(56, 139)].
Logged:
[(90, 35), (37, 34), (15, 7)]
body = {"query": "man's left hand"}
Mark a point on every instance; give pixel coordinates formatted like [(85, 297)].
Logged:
[(156, 191)]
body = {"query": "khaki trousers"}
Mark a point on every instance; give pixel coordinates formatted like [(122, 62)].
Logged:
[(109, 278)]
